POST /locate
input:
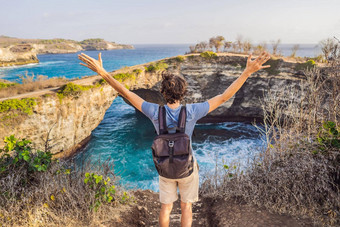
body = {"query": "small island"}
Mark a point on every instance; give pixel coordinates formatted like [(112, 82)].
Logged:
[(16, 51)]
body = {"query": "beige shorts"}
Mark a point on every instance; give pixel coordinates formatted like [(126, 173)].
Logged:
[(188, 188)]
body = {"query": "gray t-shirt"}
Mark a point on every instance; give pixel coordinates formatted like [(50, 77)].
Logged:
[(195, 111)]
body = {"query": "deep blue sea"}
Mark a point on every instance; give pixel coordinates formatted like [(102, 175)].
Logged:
[(126, 136)]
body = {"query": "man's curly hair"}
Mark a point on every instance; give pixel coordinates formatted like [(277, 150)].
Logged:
[(173, 87)]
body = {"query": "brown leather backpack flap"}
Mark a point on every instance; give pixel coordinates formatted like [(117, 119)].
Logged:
[(162, 143)]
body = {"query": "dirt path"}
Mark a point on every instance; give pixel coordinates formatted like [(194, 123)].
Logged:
[(207, 212)]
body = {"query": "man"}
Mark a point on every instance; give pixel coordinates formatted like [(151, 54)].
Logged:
[(174, 89)]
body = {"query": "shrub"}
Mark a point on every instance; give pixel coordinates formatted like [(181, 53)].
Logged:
[(329, 136), (137, 71), (104, 192), (274, 66), (91, 41), (180, 58), (208, 54), (6, 85), (36, 189), (156, 67), (73, 90), (22, 157), (102, 81), (23, 105), (124, 76), (305, 66)]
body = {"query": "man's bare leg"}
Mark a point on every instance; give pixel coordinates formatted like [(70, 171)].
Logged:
[(164, 215), (186, 217)]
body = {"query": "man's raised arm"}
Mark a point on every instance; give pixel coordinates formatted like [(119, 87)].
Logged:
[(252, 66), (97, 66)]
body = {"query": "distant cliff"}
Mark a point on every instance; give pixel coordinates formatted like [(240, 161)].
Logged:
[(14, 51), (70, 119)]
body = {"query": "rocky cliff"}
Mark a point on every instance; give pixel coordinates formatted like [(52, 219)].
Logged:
[(20, 54), (210, 77), (64, 118), (69, 120), (14, 51)]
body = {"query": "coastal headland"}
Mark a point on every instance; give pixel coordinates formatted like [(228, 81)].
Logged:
[(16, 51)]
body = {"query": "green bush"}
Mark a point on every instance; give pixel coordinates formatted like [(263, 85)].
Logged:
[(208, 54), (91, 41), (156, 67), (104, 192), (5, 85), (180, 58), (124, 76), (25, 105), (22, 156), (102, 81), (274, 66), (73, 90), (329, 136), (137, 71), (305, 66)]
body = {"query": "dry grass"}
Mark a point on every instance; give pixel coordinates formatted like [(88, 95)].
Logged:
[(295, 174), (30, 83), (57, 197)]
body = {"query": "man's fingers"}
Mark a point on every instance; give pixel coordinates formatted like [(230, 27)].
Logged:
[(86, 56), (87, 66), (265, 59), (249, 57), (83, 64), (265, 66), (85, 59), (100, 59), (259, 58)]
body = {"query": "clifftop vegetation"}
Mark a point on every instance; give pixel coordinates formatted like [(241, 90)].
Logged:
[(244, 46)]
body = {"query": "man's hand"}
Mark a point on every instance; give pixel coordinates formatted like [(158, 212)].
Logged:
[(257, 64), (97, 66), (91, 63)]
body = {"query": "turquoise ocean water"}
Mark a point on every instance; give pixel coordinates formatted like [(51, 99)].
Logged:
[(126, 136)]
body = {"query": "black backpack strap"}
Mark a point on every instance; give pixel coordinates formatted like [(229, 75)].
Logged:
[(162, 120), (182, 120)]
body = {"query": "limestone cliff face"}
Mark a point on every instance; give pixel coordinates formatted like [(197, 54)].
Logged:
[(210, 77), (71, 120), (68, 122)]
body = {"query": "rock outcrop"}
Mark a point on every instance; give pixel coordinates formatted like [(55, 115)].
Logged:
[(20, 54), (70, 120)]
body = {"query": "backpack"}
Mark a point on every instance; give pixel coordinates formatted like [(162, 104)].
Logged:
[(171, 152)]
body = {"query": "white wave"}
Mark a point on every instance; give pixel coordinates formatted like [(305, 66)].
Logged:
[(229, 151), (18, 66), (31, 65)]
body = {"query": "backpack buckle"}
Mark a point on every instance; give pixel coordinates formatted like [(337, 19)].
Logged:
[(171, 143)]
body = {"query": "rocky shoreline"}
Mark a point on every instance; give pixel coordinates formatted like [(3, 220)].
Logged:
[(14, 51)]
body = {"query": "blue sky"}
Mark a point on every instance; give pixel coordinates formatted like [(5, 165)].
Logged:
[(175, 21)]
